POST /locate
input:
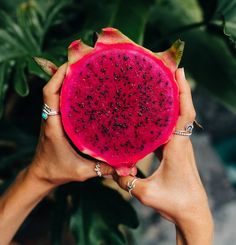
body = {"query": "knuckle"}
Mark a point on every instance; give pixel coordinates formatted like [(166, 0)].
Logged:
[(192, 115), (145, 194)]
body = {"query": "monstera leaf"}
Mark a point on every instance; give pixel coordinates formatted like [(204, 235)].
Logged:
[(207, 57), (225, 16), (99, 214)]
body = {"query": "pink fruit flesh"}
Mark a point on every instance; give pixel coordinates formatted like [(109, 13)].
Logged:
[(119, 104)]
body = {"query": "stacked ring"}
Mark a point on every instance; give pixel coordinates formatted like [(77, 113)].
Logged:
[(47, 111), (186, 132)]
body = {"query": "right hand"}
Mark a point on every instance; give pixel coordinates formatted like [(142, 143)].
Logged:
[(55, 160), (175, 189)]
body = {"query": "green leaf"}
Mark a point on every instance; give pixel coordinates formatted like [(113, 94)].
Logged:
[(10, 40), (3, 86), (206, 58), (101, 210), (226, 16), (20, 82), (131, 18)]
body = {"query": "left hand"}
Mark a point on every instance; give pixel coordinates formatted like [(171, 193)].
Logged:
[(55, 160)]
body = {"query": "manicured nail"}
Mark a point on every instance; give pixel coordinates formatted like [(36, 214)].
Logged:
[(182, 73)]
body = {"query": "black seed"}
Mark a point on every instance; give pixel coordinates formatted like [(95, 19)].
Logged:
[(125, 58), (81, 73), (100, 79), (88, 64), (118, 104), (103, 70), (140, 114), (81, 105), (116, 64), (130, 68), (151, 132), (106, 148), (105, 130), (89, 97), (76, 130), (110, 58)]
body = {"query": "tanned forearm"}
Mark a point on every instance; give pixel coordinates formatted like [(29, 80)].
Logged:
[(21, 197)]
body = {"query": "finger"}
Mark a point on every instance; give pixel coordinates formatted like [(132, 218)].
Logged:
[(187, 111), (51, 91), (90, 169), (51, 96), (139, 188)]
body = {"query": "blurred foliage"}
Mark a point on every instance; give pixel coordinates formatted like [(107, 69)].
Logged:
[(45, 28)]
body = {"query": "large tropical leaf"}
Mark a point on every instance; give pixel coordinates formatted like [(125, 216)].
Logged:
[(225, 16), (207, 57), (99, 214)]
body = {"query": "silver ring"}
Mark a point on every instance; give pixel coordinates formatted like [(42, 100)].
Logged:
[(187, 130), (98, 169), (47, 111), (131, 185)]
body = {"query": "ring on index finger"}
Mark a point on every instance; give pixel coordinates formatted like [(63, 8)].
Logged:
[(47, 111), (131, 185), (187, 130)]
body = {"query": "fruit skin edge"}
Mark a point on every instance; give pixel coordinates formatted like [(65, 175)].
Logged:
[(170, 59), (70, 130)]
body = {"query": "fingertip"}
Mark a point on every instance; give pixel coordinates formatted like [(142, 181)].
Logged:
[(180, 74)]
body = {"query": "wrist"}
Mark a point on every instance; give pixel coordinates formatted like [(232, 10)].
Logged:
[(36, 175), (198, 230)]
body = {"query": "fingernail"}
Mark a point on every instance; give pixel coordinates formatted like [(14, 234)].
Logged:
[(133, 171), (182, 72)]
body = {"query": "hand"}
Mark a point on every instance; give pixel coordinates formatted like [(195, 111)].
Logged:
[(55, 160), (175, 189)]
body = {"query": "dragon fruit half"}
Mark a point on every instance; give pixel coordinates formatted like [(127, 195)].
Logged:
[(119, 101)]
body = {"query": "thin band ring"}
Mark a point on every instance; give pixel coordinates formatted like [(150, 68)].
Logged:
[(47, 111), (131, 185)]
